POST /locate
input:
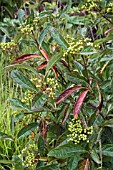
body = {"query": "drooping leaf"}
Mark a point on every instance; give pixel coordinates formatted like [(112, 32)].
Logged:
[(25, 131), (25, 57), (59, 39), (19, 104), (52, 61), (4, 136), (22, 80), (67, 93), (66, 151), (24, 67), (79, 102)]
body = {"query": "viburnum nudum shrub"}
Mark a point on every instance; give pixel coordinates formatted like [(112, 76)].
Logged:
[(67, 86)]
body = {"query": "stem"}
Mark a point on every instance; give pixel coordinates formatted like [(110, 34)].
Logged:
[(85, 66), (100, 147)]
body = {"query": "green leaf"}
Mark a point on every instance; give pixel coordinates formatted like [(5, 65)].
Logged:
[(21, 14), (67, 8), (19, 104), (22, 80), (5, 136), (52, 61), (59, 39), (3, 161), (24, 66), (73, 162), (4, 30), (25, 131), (65, 151), (38, 101), (87, 53), (42, 35), (108, 123), (95, 156), (49, 167), (107, 150)]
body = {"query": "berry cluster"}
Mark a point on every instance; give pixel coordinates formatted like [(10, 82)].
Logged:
[(48, 87), (26, 29), (28, 156), (78, 133), (8, 46), (75, 46)]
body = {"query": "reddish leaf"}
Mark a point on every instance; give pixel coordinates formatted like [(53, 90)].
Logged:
[(79, 102), (43, 65), (67, 93), (25, 57), (66, 115), (55, 71), (43, 129), (85, 165), (44, 53)]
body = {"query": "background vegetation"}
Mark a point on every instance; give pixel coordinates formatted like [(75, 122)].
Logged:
[(56, 85)]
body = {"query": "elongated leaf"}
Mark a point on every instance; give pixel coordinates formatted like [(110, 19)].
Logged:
[(67, 93), (48, 58), (67, 8), (107, 150), (66, 151), (23, 66), (5, 136), (108, 123), (19, 104), (49, 167), (87, 53), (52, 61), (95, 156), (43, 65), (42, 35), (4, 161), (59, 39), (25, 57), (22, 80), (79, 102), (25, 131)]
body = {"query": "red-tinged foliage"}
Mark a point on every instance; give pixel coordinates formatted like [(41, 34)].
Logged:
[(66, 115), (43, 129), (79, 102), (43, 65), (44, 53), (85, 165), (25, 57), (67, 93), (55, 71), (65, 64)]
